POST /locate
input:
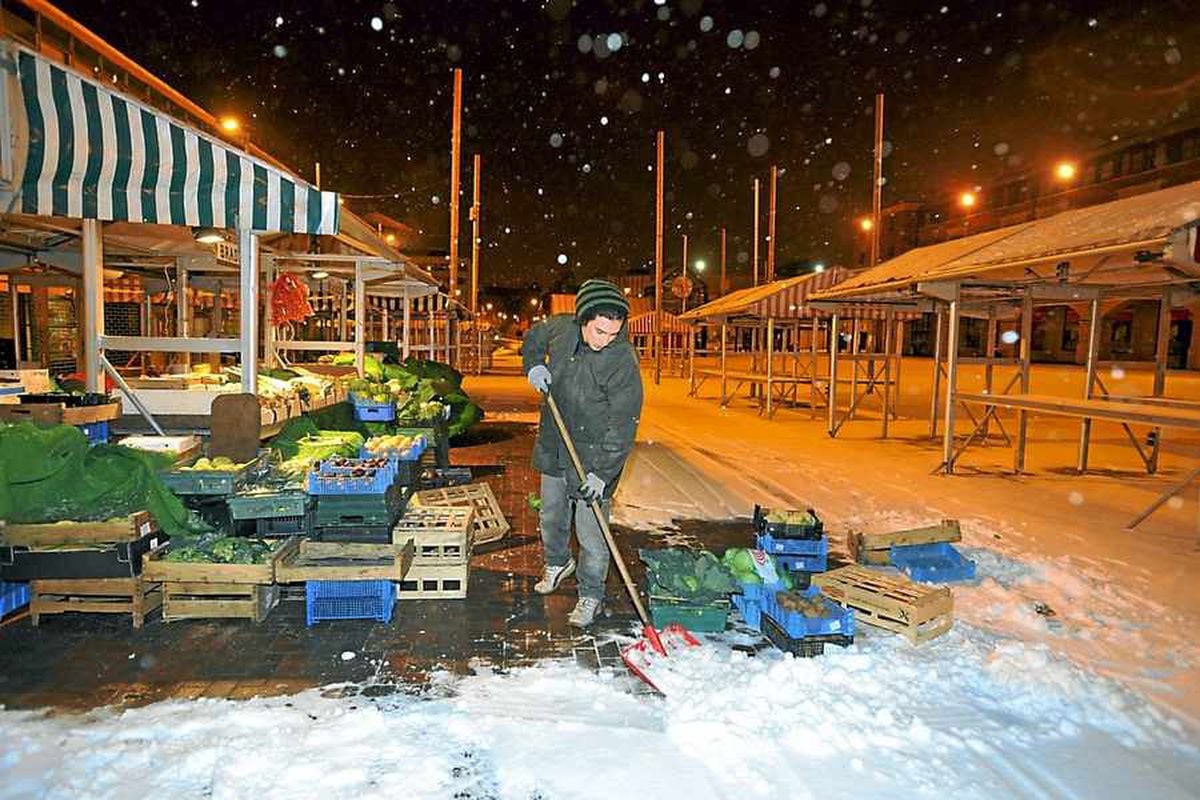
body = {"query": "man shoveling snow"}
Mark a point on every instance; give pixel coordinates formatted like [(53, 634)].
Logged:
[(588, 365)]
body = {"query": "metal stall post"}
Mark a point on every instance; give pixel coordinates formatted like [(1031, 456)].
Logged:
[(183, 308), (1085, 430), (937, 372), (888, 321), (723, 337), (1026, 357), (899, 348), (270, 356), (770, 363), (406, 345), (248, 311), (854, 327), (360, 319), (812, 370), (989, 368), (833, 359), (951, 379), (1161, 354), (93, 305)]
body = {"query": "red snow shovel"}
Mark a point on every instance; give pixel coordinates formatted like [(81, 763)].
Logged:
[(643, 656)]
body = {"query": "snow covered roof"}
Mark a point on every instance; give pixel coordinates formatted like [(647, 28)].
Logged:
[(778, 299), (643, 324), (1100, 242)]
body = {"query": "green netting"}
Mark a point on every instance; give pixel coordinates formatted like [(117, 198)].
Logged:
[(51, 474)]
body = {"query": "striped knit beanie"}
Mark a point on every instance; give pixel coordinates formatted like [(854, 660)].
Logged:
[(598, 295)]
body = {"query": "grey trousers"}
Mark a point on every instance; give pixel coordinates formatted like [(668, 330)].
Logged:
[(555, 521)]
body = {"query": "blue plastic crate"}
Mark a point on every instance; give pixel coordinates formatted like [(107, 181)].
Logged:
[(837, 621), (936, 562), (96, 432), (370, 411), (342, 483), (349, 600), (796, 555), (348, 465), (750, 601), (12, 597)]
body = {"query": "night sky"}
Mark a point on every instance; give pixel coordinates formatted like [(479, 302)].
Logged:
[(563, 100)]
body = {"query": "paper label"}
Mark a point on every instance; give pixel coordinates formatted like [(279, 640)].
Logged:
[(765, 567)]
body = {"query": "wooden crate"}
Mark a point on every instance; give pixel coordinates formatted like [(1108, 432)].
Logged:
[(875, 548), (59, 414), (440, 534), (892, 602), (490, 524), (343, 561), (441, 582), (102, 532), (182, 600), (134, 596), (156, 568)]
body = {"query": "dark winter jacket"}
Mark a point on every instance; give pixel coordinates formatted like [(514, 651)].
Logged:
[(599, 394)]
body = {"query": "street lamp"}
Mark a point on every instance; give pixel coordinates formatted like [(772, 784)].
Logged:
[(968, 200), (866, 224), (1066, 171), (700, 265), (230, 124)]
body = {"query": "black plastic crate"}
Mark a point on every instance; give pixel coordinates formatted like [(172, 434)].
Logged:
[(806, 647), (267, 527), (120, 560), (364, 534), (443, 477), (815, 529)]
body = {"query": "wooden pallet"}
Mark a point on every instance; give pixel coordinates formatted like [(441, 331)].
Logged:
[(892, 602), (490, 524), (182, 600), (343, 561), (441, 582), (440, 534), (156, 568), (55, 534), (135, 596), (875, 548), (59, 414)]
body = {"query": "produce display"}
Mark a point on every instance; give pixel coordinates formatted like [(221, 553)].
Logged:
[(394, 443), (741, 564), (813, 607), (218, 549), (698, 577), (218, 464), (424, 392), (791, 517)]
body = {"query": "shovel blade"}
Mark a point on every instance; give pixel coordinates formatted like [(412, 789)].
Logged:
[(650, 664)]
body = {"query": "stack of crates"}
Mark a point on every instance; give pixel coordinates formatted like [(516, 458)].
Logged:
[(357, 500), (799, 545), (804, 635)]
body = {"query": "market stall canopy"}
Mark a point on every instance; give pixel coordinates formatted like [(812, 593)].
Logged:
[(643, 324), (1142, 241), (85, 151), (783, 299)]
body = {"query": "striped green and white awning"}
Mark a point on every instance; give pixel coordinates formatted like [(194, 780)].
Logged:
[(92, 153)]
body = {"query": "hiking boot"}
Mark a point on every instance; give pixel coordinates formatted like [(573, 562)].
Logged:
[(585, 611), (552, 577)]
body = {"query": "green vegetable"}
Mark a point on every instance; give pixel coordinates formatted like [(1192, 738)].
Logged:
[(695, 576)]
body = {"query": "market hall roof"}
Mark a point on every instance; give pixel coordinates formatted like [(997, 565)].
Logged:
[(1148, 239), (85, 151)]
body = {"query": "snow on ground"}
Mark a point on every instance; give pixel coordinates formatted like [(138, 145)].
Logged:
[(1070, 672)]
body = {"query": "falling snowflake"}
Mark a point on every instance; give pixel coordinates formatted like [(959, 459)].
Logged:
[(376, 24)]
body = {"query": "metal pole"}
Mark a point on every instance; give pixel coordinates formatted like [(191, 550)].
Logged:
[(360, 319), (406, 345), (990, 354), (724, 285), (93, 304), (133, 398), (877, 189), (770, 361), (951, 380), (1161, 354), (812, 371), (658, 258), (342, 332), (455, 176), (1085, 430), (833, 358), (899, 363), (887, 369), (771, 226), (270, 357), (855, 331), (937, 372), (723, 337), (183, 305), (756, 215), (475, 220), (1026, 355), (248, 310), (14, 298)]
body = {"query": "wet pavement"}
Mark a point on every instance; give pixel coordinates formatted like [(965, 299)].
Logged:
[(78, 661)]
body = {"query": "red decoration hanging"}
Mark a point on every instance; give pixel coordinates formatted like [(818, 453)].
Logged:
[(289, 300)]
